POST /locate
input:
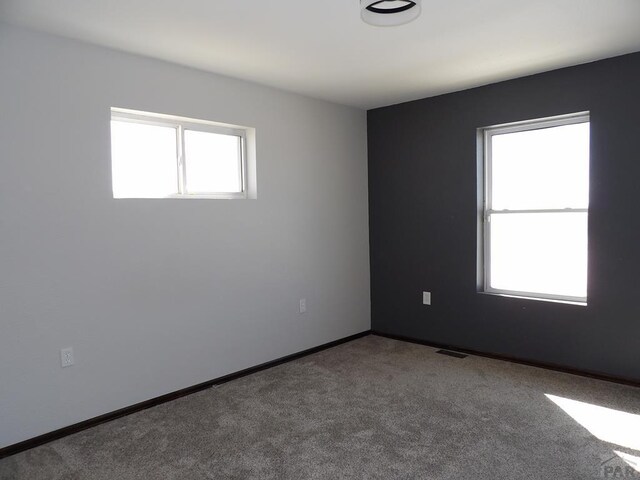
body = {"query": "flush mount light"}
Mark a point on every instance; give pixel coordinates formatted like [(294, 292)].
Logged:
[(388, 13)]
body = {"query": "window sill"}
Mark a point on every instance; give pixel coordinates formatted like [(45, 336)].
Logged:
[(240, 196), (539, 299)]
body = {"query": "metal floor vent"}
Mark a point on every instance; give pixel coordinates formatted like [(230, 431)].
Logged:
[(452, 354)]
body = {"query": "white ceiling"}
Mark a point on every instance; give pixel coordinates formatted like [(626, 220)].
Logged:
[(322, 49)]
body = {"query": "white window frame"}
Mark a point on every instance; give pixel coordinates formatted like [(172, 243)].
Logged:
[(181, 124), (485, 135)]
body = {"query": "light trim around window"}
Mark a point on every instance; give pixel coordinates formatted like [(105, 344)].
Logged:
[(486, 211), (176, 186)]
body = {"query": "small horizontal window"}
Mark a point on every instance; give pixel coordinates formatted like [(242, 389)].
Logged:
[(159, 156)]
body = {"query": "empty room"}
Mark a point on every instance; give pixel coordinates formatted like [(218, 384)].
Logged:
[(341, 239)]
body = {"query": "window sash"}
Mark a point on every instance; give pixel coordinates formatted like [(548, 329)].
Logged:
[(490, 132), (487, 258), (507, 211)]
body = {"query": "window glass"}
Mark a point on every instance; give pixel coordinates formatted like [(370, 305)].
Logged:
[(539, 169), (143, 160), (540, 252), (213, 162)]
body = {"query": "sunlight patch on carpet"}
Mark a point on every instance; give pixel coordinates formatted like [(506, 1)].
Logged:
[(609, 425)]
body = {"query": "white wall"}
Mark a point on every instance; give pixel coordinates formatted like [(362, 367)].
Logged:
[(158, 295)]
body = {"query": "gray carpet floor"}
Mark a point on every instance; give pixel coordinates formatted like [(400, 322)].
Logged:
[(373, 408)]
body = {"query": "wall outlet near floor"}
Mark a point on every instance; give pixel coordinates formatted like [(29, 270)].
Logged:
[(426, 298), (66, 357), (303, 305)]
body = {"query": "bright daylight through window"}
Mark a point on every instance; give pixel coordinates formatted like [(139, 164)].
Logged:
[(536, 200), (159, 156)]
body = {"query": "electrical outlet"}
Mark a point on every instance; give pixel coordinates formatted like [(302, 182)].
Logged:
[(426, 298), (66, 357), (303, 305)]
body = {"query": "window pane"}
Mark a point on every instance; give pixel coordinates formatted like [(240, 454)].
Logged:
[(143, 160), (539, 253), (540, 169), (213, 162)]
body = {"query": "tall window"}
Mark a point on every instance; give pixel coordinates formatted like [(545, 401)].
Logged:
[(159, 156), (536, 200)]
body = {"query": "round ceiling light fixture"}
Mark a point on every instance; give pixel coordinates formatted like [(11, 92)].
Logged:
[(389, 13)]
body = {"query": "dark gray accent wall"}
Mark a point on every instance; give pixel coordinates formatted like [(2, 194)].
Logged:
[(423, 221)]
